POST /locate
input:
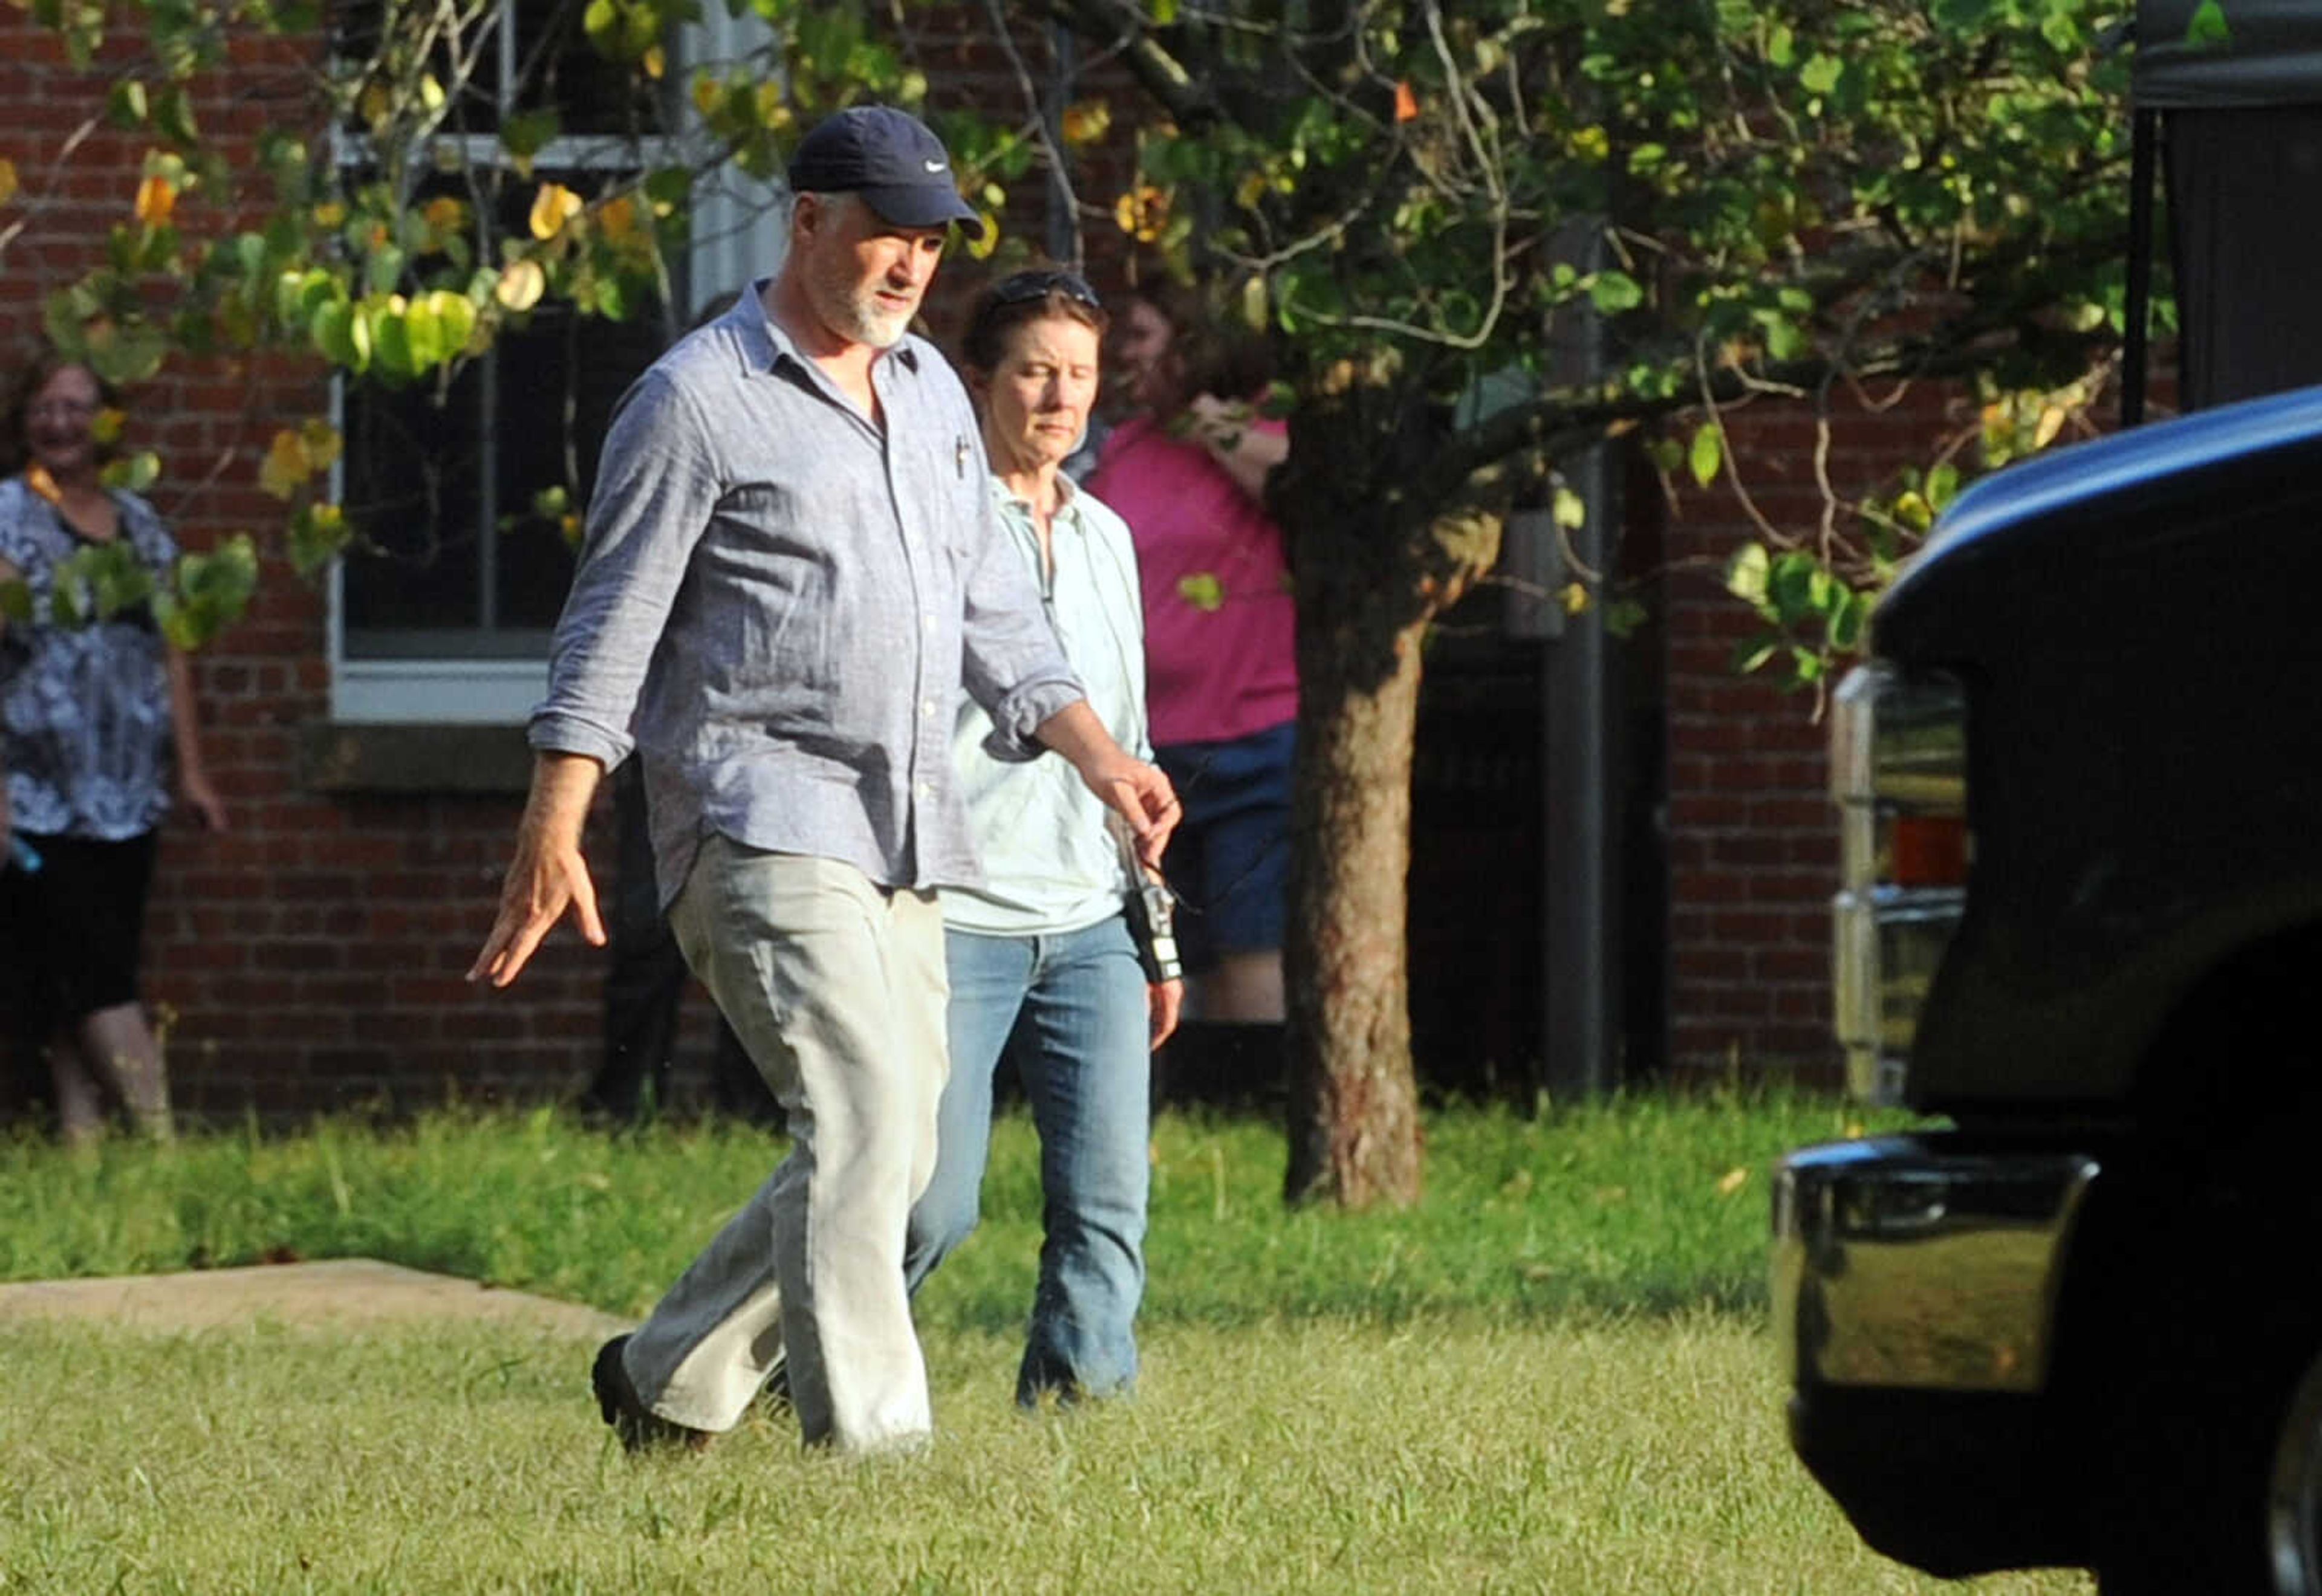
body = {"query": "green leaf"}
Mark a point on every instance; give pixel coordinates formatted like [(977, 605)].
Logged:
[(390, 338), (126, 105), (384, 269), (1789, 586), (173, 115), (343, 336), (1845, 628), (455, 315), (1614, 291), (135, 473), (1707, 453), (1821, 74), (2207, 29), (1202, 590), (1746, 573), (423, 335), (319, 533), (212, 591), (525, 135)]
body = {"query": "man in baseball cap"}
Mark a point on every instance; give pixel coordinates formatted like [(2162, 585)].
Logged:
[(793, 570), (889, 158)]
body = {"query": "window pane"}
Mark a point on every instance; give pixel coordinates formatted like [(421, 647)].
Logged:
[(560, 69), (564, 360), (414, 474), (416, 480)]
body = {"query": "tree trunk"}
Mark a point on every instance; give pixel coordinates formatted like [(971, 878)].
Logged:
[(1370, 571), (1354, 1103)]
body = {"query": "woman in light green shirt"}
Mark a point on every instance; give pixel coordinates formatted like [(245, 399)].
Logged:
[(1042, 963)]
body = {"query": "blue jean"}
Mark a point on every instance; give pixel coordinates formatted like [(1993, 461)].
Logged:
[(1075, 1004)]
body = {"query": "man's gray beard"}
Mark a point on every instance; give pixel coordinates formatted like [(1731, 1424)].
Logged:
[(866, 325)]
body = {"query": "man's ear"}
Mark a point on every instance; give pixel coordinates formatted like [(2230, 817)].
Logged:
[(808, 211)]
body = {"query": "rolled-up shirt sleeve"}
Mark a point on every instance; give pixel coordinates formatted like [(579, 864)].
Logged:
[(1010, 664), (657, 487)]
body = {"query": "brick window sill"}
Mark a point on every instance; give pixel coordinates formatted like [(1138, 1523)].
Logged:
[(342, 757)]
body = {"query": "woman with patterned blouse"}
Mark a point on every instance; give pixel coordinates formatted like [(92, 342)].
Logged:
[(92, 718)]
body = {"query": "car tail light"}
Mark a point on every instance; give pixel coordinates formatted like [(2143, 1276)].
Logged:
[(1899, 774)]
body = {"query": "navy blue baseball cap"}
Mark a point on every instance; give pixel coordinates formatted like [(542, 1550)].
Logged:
[(888, 157)]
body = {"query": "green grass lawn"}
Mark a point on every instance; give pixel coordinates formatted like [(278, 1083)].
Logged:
[(1552, 1374)]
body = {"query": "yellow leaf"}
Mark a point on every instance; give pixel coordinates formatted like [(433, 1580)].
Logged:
[(709, 94), (7, 180), (37, 478), (981, 249), (1250, 190), (330, 213), (284, 470), (2052, 422), (552, 208), (654, 62), (1573, 596), (156, 198), (1085, 122), (105, 426), (319, 441), (374, 103), (1733, 1180), (521, 286), (1142, 213), (444, 213), (618, 219)]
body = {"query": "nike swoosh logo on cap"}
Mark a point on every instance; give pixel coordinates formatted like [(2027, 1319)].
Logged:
[(935, 166)]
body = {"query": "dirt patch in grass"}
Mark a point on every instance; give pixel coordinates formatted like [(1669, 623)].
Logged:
[(340, 1294)]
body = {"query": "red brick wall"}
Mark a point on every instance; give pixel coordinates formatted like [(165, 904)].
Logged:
[(1752, 837), (312, 955)]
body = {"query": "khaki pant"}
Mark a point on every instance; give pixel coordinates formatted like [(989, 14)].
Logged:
[(836, 988)]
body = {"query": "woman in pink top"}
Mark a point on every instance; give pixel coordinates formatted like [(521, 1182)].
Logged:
[(1188, 473)]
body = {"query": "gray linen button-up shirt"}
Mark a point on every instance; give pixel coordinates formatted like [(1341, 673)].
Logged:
[(778, 605)]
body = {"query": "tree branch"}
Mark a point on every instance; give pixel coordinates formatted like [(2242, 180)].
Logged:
[(1122, 28)]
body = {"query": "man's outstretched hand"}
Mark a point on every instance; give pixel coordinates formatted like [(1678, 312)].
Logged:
[(548, 875)]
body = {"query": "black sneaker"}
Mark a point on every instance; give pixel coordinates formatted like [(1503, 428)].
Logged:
[(641, 1429)]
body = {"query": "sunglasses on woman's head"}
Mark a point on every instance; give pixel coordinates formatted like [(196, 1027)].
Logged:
[(1038, 284)]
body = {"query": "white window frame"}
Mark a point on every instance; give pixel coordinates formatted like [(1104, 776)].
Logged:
[(732, 241)]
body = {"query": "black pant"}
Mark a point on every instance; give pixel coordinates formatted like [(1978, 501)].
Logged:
[(645, 979)]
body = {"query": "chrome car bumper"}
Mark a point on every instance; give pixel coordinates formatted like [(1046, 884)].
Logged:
[(1922, 1263)]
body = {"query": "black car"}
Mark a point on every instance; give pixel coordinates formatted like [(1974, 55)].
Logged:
[(2081, 783)]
